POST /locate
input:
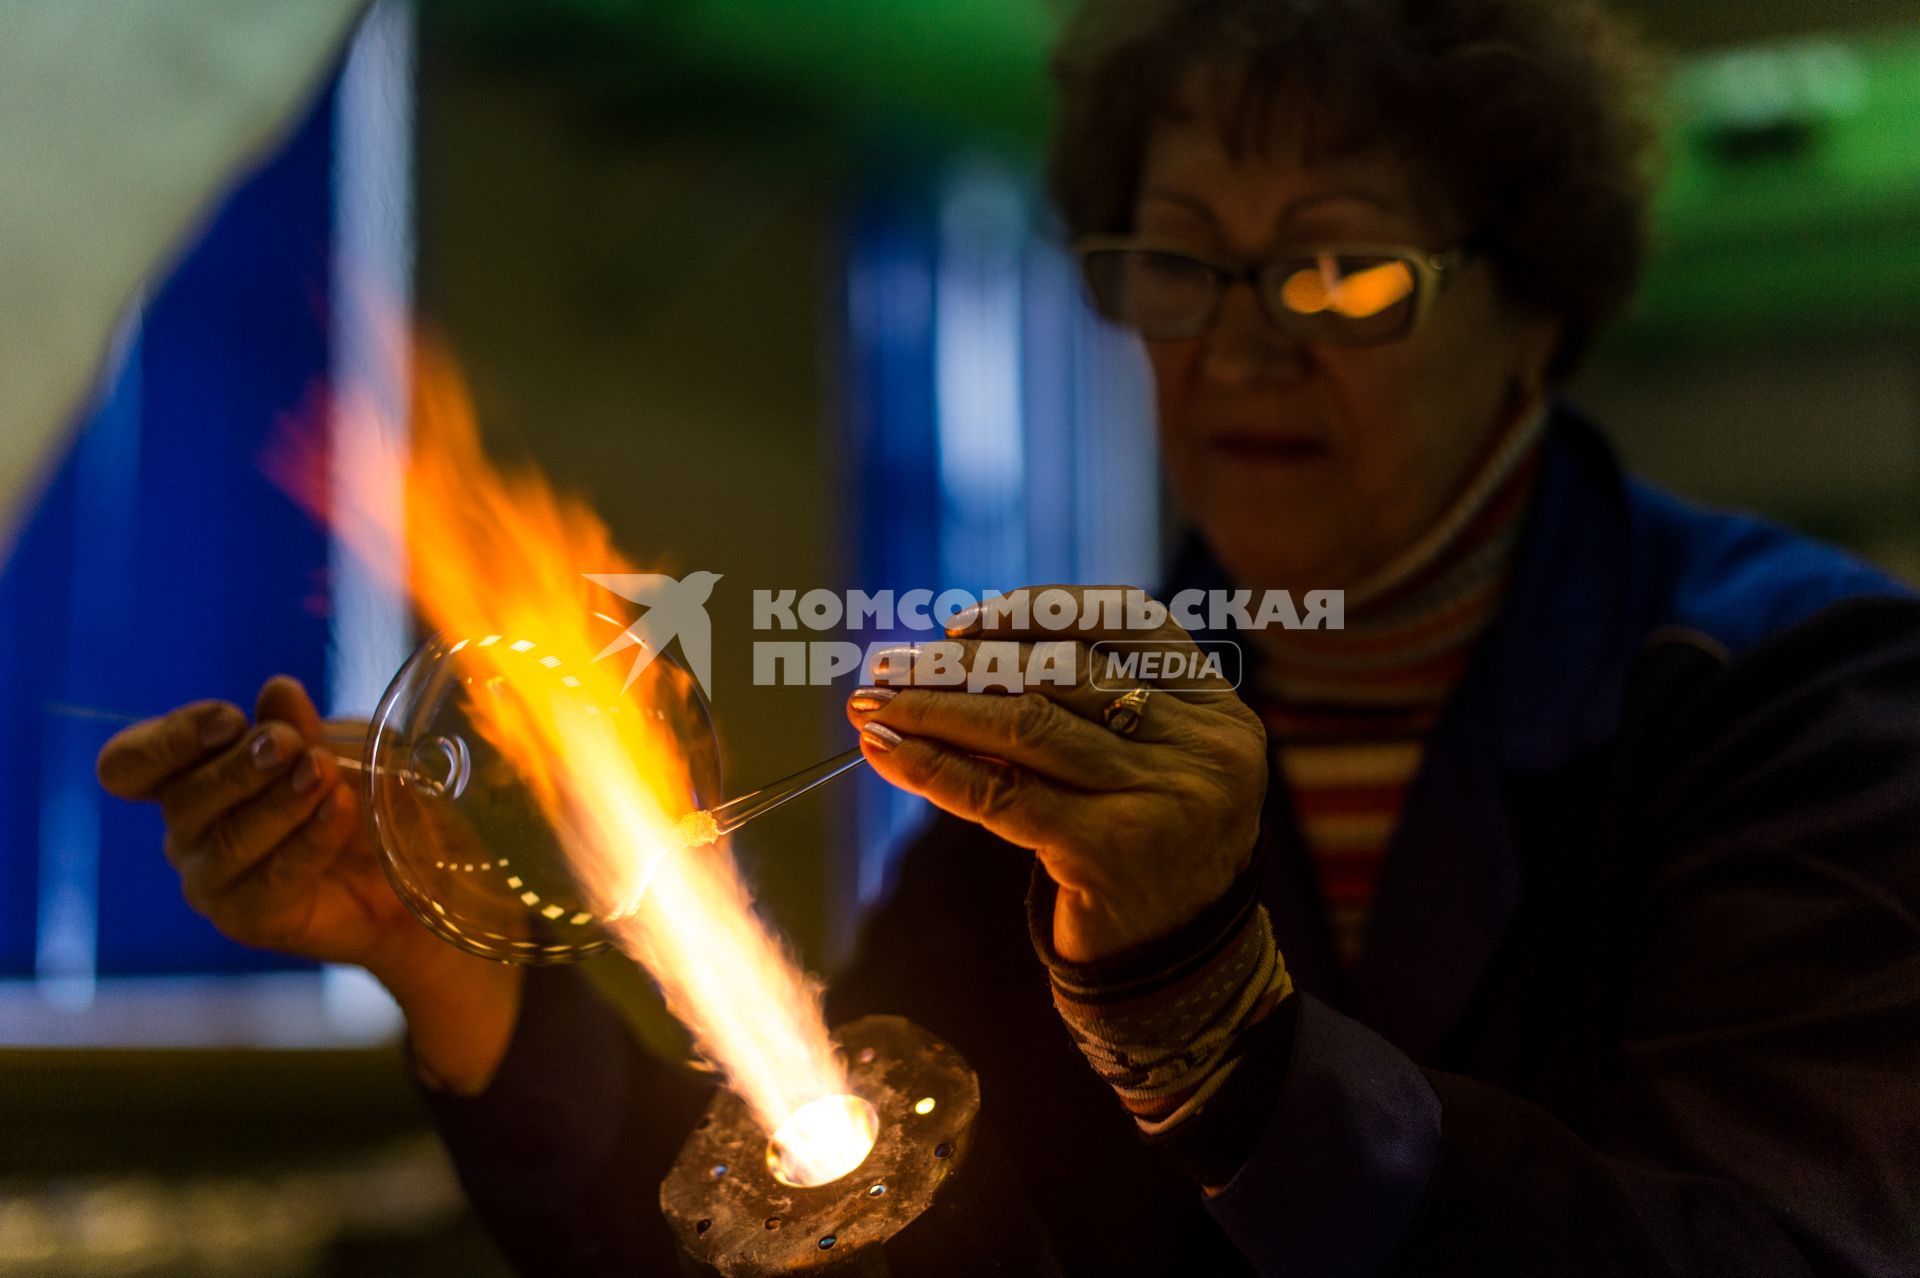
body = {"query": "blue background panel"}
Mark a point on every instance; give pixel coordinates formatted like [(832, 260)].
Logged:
[(160, 566)]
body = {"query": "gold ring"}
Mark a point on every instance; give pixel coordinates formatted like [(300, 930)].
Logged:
[(1124, 712)]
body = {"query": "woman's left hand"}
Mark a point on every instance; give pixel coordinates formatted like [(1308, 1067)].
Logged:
[(1141, 832)]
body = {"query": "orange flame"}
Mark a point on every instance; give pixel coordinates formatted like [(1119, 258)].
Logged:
[(494, 554)]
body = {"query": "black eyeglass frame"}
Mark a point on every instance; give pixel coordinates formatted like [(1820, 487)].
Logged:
[(1432, 270)]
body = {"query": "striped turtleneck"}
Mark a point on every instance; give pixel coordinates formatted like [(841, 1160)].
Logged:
[(1348, 711)]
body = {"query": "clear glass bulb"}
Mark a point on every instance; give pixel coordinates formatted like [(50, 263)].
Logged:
[(462, 836)]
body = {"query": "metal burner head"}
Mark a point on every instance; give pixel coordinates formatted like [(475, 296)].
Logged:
[(733, 1215)]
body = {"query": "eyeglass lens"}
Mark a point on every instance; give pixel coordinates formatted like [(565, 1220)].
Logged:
[(1344, 299)]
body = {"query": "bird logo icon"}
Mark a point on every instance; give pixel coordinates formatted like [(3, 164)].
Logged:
[(675, 608)]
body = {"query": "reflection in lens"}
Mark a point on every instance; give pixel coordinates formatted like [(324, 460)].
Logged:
[(1329, 287), (1367, 293)]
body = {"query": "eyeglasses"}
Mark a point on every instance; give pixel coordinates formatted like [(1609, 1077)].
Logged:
[(1337, 294)]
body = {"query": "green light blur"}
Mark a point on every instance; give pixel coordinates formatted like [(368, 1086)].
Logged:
[(1792, 200)]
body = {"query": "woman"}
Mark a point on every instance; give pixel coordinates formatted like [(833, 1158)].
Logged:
[(1555, 916)]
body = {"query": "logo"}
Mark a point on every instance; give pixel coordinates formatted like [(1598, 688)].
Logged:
[(676, 608), (1066, 635), (1123, 664)]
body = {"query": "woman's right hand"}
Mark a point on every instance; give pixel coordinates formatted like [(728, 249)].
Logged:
[(268, 841)]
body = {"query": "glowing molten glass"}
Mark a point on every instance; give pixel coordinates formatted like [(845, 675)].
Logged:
[(823, 1141), (501, 555)]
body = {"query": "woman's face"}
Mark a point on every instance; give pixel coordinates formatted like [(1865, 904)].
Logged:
[(1309, 466)]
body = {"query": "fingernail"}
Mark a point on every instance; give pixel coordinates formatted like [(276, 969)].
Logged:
[(895, 662), (330, 806), (220, 727), (883, 737), (306, 773), (964, 619), (867, 700), (265, 751)]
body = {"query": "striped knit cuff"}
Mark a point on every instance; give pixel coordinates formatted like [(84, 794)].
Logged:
[(1165, 1023)]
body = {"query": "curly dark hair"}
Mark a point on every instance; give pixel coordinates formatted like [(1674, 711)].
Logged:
[(1529, 119)]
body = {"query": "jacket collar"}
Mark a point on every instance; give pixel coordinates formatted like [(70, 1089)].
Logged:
[(1551, 672)]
